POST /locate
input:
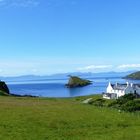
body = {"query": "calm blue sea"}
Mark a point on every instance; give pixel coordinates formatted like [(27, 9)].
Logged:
[(56, 87)]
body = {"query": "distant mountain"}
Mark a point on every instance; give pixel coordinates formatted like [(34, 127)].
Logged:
[(65, 76), (110, 74), (133, 76)]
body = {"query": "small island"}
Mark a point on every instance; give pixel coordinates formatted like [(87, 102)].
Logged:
[(75, 81), (133, 76)]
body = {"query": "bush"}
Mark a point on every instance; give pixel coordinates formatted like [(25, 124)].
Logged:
[(131, 106), (124, 99), (114, 105), (128, 97), (91, 102), (2, 93), (98, 102), (126, 103)]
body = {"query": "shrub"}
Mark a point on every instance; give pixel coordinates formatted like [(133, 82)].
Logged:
[(126, 103), (131, 106), (2, 93), (123, 99), (98, 102), (114, 105)]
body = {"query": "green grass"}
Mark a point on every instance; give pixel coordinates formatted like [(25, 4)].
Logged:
[(2, 93), (64, 119)]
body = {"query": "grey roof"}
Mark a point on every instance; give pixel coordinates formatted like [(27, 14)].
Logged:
[(123, 86), (119, 86), (137, 85)]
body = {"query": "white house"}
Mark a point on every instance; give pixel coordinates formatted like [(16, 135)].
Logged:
[(117, 90)]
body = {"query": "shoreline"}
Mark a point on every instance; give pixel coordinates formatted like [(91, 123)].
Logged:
[(30, 96)]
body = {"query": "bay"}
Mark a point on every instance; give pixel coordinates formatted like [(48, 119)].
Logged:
[(56, 87)]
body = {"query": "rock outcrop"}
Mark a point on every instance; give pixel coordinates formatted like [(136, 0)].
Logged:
[(4, 88), (75, 81)]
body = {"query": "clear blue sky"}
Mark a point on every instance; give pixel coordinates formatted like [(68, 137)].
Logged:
[(55, 36)]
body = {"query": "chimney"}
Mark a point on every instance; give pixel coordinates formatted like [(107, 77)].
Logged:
[(127, 84), (131, 84)]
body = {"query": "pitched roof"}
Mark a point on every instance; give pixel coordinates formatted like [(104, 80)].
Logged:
[(123, 86), (119, 86)]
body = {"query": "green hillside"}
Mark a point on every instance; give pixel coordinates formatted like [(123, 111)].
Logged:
[(134, 76), (64, 119)]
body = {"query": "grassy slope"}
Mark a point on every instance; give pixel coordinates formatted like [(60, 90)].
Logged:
[(135, 76), (63, 119)]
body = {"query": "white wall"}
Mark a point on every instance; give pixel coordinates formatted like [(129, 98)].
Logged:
[(120, 93), (109, 89)]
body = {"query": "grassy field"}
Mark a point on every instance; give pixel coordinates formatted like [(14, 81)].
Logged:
[(64, 119)]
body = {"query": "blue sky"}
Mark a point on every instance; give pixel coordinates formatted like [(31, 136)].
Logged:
[(55, 36)]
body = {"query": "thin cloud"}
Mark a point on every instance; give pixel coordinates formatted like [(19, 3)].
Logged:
[(18, 3), (94, 67), (128, 66)]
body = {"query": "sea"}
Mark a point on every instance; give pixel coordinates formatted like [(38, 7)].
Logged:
[(56, 87)]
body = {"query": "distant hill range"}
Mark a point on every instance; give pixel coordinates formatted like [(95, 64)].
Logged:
[(65, 76), (133, 76)]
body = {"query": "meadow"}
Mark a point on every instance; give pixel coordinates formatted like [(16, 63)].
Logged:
[(28, 118)]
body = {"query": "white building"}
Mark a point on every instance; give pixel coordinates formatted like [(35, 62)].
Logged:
[(117, 90)]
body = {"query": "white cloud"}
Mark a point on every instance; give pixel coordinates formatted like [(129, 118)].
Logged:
[(128, 66), (94, 67)]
